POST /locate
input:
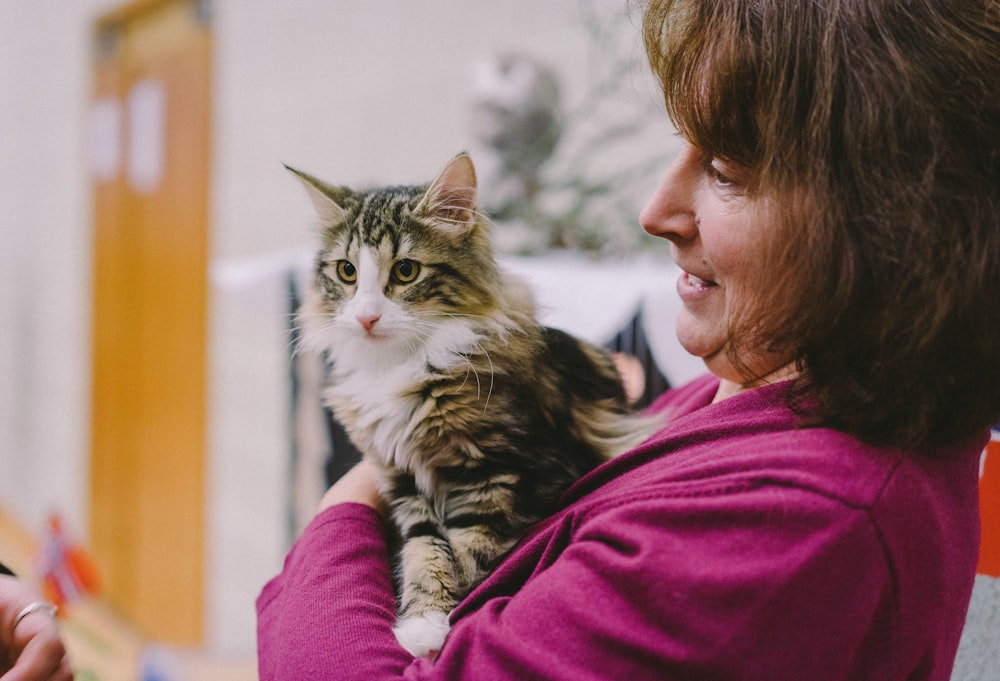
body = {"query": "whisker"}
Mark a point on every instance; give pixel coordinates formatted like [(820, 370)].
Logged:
[(492, 376), (470, 369), (309, 324), (467, 315)]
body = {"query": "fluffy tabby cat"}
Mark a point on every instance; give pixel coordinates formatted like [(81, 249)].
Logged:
[(477, 417)]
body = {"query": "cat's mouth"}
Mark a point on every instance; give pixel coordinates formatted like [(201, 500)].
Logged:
[(373, 334)]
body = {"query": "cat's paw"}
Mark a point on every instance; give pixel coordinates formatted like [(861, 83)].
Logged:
[(422, 635)]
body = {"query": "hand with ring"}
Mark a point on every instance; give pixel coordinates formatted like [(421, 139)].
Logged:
[(31, 648)]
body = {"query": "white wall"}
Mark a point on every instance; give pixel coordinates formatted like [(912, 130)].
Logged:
[(353, 91), (44, 259)]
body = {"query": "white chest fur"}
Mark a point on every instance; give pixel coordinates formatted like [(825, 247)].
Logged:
[(375, 381)]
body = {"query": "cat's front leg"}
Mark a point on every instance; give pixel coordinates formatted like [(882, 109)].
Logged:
[(422, 635), (439, 568), (429, 588)]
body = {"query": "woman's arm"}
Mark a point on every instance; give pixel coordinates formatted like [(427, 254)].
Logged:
[(748, 584), (767, 584), (329, 614)]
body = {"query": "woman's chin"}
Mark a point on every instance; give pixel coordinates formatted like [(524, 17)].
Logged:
[(699, 339)]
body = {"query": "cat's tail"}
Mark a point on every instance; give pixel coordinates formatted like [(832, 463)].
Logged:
[(613, 431)]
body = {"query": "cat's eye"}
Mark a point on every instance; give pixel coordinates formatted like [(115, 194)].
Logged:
[(346, 271), (405, 271)]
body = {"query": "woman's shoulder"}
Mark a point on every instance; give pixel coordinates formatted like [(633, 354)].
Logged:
[(791, 488), (757, 439), (785, 519), (817, 462), (749, 440), (747, 469)]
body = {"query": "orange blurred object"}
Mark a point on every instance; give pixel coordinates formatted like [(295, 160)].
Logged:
[(989, 510), (67, 571)]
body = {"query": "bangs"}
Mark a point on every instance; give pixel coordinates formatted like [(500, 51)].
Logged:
[(708, 75)]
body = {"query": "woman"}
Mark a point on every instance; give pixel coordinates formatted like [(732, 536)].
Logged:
[(810, 511)]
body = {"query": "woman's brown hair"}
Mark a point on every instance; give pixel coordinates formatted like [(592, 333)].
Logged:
[(875, 127)]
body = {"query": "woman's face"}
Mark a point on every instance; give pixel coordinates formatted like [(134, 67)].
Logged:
[(717, 233)]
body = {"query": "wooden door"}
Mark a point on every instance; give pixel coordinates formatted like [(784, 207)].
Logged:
[(150, 166)]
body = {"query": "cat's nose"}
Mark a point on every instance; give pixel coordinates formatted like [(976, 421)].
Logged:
[(368, 321)]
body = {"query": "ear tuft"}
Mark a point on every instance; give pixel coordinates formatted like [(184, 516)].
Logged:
[(451, 198), (326, 199)]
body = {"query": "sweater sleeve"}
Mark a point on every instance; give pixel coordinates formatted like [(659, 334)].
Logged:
[(767, 584), (329, 613), (758, 584)]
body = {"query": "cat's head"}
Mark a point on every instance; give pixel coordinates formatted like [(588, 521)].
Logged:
[(398, 264)]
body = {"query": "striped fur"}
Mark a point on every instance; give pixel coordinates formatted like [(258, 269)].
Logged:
[(478, 417)]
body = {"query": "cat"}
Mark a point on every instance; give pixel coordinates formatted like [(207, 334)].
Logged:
[(477, 417)]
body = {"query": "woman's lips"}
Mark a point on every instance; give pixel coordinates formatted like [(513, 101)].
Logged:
[(690, 287)]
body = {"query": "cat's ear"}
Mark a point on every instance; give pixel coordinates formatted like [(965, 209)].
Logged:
[(451, 198), (326, 198)]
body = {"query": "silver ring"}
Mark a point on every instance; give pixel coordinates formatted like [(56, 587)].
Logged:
[(37, 606)]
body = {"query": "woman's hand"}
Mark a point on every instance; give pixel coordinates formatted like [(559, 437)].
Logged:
[(30, 647), (632, 374), (358, 485)]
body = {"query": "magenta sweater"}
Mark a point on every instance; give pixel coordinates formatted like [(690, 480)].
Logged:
[(730, 546)]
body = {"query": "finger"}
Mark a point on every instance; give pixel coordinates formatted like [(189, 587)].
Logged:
[(64, 672), (42, 656)]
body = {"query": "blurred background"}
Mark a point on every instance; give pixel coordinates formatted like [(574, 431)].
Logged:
[(151, 241)]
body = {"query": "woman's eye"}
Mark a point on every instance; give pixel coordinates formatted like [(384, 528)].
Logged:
[(726, 177), (346, 271), (405, 271), (718, 175)]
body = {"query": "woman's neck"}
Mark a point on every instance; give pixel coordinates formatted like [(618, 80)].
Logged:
[(728, 388)]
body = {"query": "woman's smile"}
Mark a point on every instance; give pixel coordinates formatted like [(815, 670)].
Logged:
[(692, 288)]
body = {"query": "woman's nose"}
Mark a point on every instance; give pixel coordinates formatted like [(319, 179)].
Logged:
[(670, 211)]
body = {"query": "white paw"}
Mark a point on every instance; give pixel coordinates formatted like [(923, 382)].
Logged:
[(422, 635)]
